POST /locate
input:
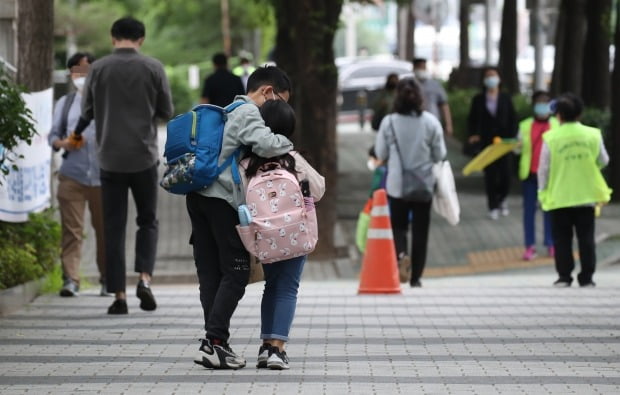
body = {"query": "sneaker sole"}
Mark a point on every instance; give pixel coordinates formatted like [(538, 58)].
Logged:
[(147, 301), (277, 366), (66, 293)]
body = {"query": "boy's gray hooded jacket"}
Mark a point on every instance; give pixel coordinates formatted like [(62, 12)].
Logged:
[(244, 127)]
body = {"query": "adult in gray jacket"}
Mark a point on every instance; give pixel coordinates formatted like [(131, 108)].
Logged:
[(222, 262), (78, 180), (125, 92), (411, 140)]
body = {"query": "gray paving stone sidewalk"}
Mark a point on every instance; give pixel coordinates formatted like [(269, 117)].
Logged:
[(448, 246), (488, 334)]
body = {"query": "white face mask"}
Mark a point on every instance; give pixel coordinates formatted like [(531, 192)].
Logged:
[(371, 165), (79, 83), (421, 74)]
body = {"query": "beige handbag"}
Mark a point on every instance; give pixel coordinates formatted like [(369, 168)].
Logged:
[(256, 271)]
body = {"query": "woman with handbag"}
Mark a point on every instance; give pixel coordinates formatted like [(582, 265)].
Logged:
[(411, 140)]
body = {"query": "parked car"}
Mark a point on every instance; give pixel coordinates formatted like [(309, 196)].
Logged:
[(357, 78)]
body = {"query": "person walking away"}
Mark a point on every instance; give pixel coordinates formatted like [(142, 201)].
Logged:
[(531, 131), (411, 140), (384, 102), (435, 97), (243, 70), (570, 185), (281, 278), (222, 262), (78, 181), (491, 115), (221, 87), (125, 93)]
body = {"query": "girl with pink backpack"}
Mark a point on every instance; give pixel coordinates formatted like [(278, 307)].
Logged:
[(274, 195)]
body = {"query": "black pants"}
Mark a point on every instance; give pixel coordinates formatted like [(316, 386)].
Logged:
[(400, 211), (497, 181), (114, 190), (563, 221), (222, 263)]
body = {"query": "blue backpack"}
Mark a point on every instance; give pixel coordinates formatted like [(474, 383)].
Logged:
[(193, 146)]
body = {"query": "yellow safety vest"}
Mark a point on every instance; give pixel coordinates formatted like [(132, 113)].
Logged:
[(525, 133), (574, 176)]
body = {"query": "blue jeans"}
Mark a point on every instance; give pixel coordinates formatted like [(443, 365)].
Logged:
[(280, 297), (530, 197)]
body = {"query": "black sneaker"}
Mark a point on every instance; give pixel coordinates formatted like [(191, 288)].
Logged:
[(591, 284), (263, 355), (277, 359), (69, 288), (118, 307), (561, 283), (217, 356), (416, 284), (147, 300)]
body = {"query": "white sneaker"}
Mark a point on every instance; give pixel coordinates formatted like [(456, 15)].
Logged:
[(504, 209), (277, 360), (494, 214)]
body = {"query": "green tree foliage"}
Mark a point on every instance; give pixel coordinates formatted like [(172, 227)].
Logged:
[(16, 123), (177, 31)]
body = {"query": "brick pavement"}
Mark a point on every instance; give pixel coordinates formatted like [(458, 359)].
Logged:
[(489, 334)]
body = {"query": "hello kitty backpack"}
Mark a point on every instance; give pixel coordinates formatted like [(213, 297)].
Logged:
[(283, 222)]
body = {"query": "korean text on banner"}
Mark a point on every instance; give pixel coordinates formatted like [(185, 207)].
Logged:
[(27, 189)]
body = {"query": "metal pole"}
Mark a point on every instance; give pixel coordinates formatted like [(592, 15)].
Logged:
[(488, 42), (539, 44)]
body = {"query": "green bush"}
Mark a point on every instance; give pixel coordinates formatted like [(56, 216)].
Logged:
[(597, 118), (460, 102), (28, 250)]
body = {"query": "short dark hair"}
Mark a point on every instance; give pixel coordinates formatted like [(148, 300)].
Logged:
[(77, 57), (128, 28), (269, 75), (569, 106), (220, 59), (418, 61), (408, 97), (279, 116), (540, 93)]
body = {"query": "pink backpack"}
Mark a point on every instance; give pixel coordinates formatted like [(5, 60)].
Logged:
[(283, 224)]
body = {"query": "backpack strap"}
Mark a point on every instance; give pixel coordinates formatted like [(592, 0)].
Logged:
[(69, 98)]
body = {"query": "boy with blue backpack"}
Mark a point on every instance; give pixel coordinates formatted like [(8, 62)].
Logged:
[(222, 262)]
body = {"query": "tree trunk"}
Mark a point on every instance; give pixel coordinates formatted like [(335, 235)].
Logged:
[(406, 29), (35, 35), (508, 48), (596, 76), (304, 49), (464, 34), (614, 137), (569, 48)]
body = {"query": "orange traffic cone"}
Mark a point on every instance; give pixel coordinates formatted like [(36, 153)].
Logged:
[(379, 268)]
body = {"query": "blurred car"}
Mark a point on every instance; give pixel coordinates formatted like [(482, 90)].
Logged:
[(367, 76)]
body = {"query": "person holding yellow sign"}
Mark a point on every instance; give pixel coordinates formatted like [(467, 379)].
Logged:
[(491, 116)]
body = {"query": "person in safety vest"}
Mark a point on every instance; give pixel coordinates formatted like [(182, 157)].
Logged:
[(531, 131), (570, 185)]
